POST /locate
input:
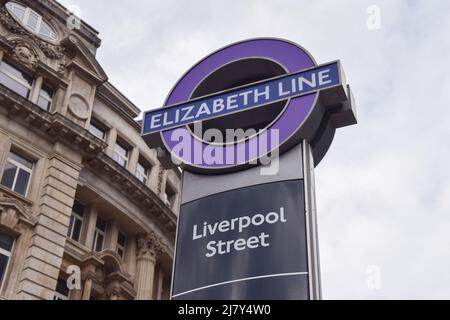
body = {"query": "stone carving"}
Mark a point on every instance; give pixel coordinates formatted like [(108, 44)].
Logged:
[(9, 23), (78, 106), (8, 218), (54, 52), (149, 246), (25, 53), (51, 51)]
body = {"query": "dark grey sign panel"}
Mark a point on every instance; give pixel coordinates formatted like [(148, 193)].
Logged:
[(248, 243)]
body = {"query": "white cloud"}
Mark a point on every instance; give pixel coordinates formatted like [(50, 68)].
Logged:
[(383, 190)]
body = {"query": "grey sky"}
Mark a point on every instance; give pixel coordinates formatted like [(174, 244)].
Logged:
[(383, 190)]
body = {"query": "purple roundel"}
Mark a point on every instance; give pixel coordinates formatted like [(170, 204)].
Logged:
[(194, 153)]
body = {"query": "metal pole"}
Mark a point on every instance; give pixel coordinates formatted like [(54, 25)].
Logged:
[(315, 290)]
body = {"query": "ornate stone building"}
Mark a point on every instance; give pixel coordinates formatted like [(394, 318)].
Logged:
[(83, 200)]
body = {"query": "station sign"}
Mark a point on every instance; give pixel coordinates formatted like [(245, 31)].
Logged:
[(242, 234)]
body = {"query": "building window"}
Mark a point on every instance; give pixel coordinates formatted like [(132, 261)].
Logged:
[(97, 131), (121, 241), (76, 221), (16, 80), (169, 195), (17, 173), (99, 235), (45, 98), (31, 20), (142, 172), (62, 291), (6, 244), (120, 155)]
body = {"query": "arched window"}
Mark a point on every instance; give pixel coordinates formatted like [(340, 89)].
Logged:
[(31, 20)]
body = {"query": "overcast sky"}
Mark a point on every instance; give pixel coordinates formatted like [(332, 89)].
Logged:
[(383, 189)]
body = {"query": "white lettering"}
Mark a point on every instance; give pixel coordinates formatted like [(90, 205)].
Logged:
[(218, 105), (245, 96), (323, 75), (166, 122), (187, 113), (281, 91), (204, 109), (265, 93), (232, 102), (311, 83), (154, 121), (226, 247)]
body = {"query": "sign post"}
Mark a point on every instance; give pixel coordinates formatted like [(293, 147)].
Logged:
[(247, 125)]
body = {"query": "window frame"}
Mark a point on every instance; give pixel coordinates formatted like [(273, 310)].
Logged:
[(100, 128), (98, 231), (120, 246), (76, 216), (58, 295), (13, 77), (24, 21), (8, 263), (126, 158), (19, 166), (143, 177), (50, 101), (172, 195)]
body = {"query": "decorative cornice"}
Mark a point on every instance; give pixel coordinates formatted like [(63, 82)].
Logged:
[(115, 98), (137, 191), (55, 126), (12, 211)]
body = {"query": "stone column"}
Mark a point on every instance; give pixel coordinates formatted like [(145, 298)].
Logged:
[(160, 284), (89, 230), (149, 247), (87, 287), (133, 160), (36, 90), (153, 182), (75, 294), (112, 232), (111, 141), (58, 100)]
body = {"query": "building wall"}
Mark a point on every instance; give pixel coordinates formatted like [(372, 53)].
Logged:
[(50, 256)]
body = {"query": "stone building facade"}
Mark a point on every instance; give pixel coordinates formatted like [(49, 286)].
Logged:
[(83, 201)]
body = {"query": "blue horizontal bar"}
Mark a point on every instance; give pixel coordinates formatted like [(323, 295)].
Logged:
[(243, 98)]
